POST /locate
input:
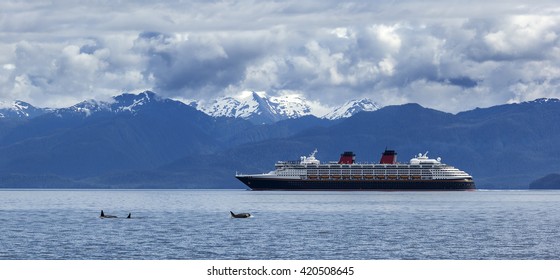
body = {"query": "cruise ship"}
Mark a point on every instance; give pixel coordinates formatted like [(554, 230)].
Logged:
[(421, 173)]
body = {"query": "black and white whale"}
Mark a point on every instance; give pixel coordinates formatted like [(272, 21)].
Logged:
[(128, 217), (106, 216), (240, 215)]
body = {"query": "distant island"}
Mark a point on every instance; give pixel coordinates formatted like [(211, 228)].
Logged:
[(548, 182)]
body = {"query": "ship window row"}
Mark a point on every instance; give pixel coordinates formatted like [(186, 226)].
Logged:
[(357, 166), (412, 170), (291, 172), (361, 167), (372, 172)]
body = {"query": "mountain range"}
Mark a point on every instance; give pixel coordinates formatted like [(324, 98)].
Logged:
[(146, 141), (20, 109), (259, 108)]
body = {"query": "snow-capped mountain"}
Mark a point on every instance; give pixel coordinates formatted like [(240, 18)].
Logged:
[(260, 108), (543, 101), (352, 107), (19, 110), (142, 141), (256, 107), (124, 103)]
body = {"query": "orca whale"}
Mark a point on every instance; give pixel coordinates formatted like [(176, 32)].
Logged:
[(128, 217), (240, 215), (106, 216)]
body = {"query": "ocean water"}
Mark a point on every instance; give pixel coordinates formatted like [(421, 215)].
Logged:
[(195, 224)]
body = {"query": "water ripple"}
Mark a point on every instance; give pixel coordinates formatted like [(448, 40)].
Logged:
[(64, 224)]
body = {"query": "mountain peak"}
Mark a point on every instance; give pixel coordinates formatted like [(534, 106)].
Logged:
[(351, 108), (126, 102), (544, 100), (258, 96), (256, 107), (260, 108), (19, 109), (131, 102)]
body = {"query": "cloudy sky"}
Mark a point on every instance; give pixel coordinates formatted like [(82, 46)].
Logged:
[(448, 55)]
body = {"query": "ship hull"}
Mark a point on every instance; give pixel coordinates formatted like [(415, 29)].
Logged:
[(270, 184)]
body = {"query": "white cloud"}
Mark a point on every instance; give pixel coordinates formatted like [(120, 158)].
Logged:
[(388, 37), (524, 35), (448, 56), (387, 66), (9, 66)]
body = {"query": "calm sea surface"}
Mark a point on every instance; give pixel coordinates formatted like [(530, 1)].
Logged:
[(195, 224)]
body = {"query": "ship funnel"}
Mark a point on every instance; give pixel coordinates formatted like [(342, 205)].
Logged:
[(388, 157), (347, 158)]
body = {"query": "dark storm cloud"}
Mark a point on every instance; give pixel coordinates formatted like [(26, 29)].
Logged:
[(201, 64), (464, 82), (195, 63)]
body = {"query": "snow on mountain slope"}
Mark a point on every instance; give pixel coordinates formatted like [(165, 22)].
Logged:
[(256, 107), (19, 109), (260, 108), (291, 106), (352, 107), (126, 102)]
